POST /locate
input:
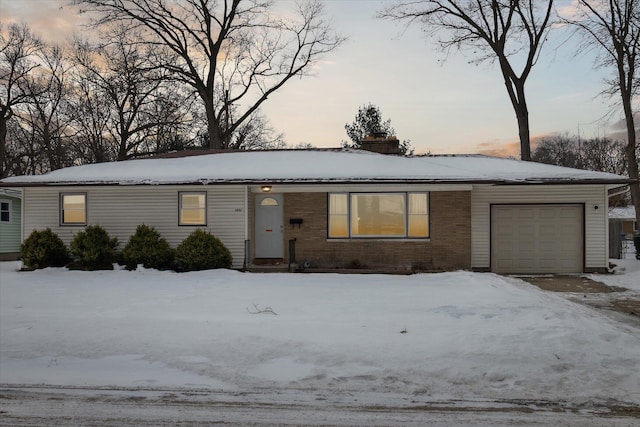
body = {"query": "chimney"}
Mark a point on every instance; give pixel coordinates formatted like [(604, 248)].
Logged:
[(379, 142)]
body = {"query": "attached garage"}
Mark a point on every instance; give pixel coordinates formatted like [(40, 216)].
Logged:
[(537, 238)]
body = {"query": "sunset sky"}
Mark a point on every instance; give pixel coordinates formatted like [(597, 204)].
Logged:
[(440, 103)]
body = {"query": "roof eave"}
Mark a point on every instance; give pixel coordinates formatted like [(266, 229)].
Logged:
[(291, 181)]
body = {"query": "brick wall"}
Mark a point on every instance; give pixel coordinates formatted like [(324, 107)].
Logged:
[(448, 248)]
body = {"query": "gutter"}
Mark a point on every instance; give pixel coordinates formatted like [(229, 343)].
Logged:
[(279, 181)]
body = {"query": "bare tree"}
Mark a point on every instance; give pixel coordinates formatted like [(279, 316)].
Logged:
[(507, 31), (231, 52), (603, 154), (613, 28), (23, 154), (129, 77), (597, 154), (89, 114), (256, 134), (559, 150), (47, 91), (19, 48)]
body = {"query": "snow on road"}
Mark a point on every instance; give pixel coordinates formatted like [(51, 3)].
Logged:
[(469, 336)]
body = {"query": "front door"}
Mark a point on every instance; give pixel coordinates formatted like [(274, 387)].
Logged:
[(269, 231)]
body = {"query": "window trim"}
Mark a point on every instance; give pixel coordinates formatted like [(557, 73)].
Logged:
[(61, 210), (200, 193), (405, 236), (262, 202), (10, 211)]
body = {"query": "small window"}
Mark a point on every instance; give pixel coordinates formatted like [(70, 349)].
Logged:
[(193, 209), (73, 208), (5, 211), (269, 201)]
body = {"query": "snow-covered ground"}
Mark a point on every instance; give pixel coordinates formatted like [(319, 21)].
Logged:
[(627, 270), (374, 338)]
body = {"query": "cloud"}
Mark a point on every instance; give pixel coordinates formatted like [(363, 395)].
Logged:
[(509, 148), (53, 20)]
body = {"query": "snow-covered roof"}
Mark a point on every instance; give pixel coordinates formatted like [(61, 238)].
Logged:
[(288, 166), (625, 212)]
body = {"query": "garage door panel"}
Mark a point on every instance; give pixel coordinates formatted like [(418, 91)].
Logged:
[(537, 238)]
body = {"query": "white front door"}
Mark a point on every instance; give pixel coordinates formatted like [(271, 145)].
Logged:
[(269, 231)]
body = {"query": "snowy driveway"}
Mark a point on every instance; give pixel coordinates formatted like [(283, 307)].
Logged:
[(350, 340)]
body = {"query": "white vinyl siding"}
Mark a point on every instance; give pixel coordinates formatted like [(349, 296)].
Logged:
[(595, 220), (120, 209)]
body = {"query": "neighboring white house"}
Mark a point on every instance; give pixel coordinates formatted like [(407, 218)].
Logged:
[(626, 216), (341, 208)]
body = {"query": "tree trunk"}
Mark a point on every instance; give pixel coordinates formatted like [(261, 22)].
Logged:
[(523, 132), (522, 114), (3, 145), (215, 139), (122, 152), (632, 160)]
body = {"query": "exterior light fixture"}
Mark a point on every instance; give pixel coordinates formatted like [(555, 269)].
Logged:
[(265, 188)]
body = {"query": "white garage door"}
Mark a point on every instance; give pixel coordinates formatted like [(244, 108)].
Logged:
[(537, 238)]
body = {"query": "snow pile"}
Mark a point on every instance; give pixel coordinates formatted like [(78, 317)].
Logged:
[(456, 335), (313, 166)]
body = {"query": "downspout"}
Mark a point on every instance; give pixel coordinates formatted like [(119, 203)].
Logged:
[(22, 211), (246, 212), (246, 226), (606, 226), (623, 190)]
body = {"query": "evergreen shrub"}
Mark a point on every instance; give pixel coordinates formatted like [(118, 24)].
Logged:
[(147, 247), (201, 251), (44, 249), (93, 249)]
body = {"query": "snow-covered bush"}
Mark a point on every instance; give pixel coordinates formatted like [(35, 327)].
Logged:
[(93, 249), (44, 249), (202, 251), (147, 247)]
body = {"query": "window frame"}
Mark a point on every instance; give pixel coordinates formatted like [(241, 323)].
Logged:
[(62, 222), (191, 193), (347, 215), (9, 211), (405, 236)]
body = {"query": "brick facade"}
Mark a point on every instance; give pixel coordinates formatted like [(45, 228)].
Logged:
[(448, 248)]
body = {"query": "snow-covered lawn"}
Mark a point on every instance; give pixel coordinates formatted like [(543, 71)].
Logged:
[(456, 335)]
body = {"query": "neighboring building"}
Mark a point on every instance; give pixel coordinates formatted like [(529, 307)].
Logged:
[(341, 208), (626, 217), (10, 223)]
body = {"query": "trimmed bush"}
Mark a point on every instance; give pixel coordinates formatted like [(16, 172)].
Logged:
[(44, 249), (93, 249), (202, 251), (147, 247)]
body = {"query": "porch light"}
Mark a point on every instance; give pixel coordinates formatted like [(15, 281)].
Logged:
[(265, 188)]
